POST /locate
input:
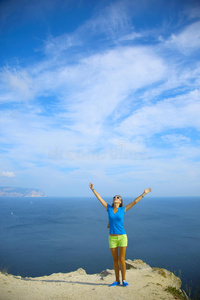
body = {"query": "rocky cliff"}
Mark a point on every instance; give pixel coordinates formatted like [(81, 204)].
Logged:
[(20, 192), (145, 283)]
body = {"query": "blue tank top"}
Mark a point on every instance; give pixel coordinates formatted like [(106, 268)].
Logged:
[(116, 220)]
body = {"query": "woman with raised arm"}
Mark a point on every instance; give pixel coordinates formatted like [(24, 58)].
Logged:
[(117, 236)]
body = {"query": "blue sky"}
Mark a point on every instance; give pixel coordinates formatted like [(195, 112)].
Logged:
[(104, 92)]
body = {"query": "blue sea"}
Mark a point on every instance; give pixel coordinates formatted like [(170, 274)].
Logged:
[(41, 236)]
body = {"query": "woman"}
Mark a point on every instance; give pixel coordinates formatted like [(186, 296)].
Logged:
[(117, 237)]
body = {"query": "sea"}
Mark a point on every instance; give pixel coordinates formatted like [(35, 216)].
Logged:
[(41, 236)]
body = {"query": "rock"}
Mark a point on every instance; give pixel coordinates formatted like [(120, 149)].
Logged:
[(176, 281), (81, 271), (136, 264), (105, 273), (18, 277)]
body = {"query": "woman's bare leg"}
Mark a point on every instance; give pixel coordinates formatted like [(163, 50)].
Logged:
[(114, 252), (122, 252)]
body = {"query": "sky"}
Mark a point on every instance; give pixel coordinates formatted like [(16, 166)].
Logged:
[(100, 91)]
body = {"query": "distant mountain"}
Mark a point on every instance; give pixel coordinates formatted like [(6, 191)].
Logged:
[(20, 192)]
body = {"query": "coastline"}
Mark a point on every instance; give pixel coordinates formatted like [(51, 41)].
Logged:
[(144, 281)]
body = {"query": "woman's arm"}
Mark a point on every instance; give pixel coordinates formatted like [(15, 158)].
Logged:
[(146, 191), (91, 185)]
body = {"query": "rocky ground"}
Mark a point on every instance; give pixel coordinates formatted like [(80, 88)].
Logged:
[(144, 283)]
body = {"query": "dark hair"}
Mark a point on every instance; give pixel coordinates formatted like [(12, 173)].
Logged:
[(121, 204)]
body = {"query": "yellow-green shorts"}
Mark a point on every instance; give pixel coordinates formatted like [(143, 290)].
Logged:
[(118, 241)]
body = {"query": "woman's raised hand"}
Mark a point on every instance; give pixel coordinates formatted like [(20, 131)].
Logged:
[(91, 185), (146, 191)]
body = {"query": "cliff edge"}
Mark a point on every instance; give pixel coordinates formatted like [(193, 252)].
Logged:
[(144, 283)]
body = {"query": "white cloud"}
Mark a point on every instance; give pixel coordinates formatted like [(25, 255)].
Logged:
[(92, 89), (112, 22), (187, 41), (178, 112), (175, 139), (7, 174), (193, 11), (179, 80), (54, 46), (130, 37), (105, 80), (16, 84)]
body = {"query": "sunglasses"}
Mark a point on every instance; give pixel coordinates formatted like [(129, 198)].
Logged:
[(116, 197)]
